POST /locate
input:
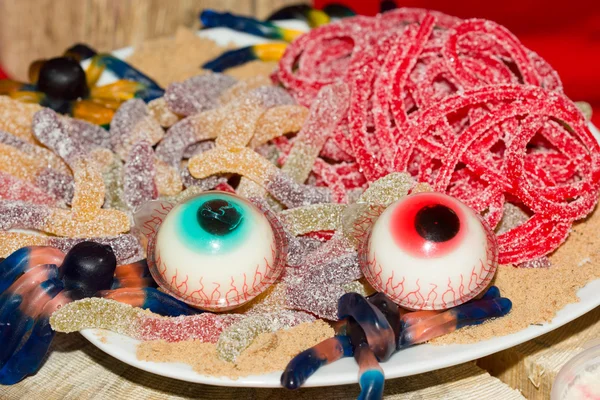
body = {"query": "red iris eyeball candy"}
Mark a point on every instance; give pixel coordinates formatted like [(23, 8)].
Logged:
[(429, 251)]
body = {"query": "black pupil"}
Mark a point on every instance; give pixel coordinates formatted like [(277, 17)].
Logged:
[(437, 223), (218, 217)]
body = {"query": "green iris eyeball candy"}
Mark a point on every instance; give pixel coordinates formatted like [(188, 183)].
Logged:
[(217, 251)]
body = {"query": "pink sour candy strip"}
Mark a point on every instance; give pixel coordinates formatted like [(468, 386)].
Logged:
[(17, 189), (326, 112), (53, 133), (332, 180), (331, 150), (457, 110), (405, 15), (403, 67), (205, 327), (506, 39), (197, 94), (139, 175)]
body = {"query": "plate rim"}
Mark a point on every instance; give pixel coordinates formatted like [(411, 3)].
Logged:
[(467, 352)]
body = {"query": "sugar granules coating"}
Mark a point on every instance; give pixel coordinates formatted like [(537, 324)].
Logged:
[(16, 117), (100, 313), (138, 181), (238, 336), (269, 352), (537, 293)]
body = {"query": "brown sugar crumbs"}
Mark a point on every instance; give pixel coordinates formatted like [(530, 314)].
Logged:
[(269, 352), (187, 52), (537, 294)]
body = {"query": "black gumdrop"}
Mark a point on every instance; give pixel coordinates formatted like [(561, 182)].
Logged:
[(80, 52), (218, 217), (437, 223), (62, 78), (88, 268), (296, 11)]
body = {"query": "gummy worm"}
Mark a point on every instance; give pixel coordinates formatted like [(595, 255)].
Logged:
[(106, 313), (326, 112)]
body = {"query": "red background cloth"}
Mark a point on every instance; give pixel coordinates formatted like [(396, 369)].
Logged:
[(566, 34), (2, 74)]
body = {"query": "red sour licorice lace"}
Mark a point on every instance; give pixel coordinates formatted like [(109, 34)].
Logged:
[(324, 66), (459, 104), (502, 37)]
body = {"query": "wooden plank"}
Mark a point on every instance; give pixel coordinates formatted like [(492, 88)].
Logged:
[(532, 366), (33, 29)]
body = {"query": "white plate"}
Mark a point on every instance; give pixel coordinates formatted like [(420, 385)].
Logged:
[(411, 361)]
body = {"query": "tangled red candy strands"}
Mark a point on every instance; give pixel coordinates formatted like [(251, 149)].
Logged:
[(459, 104), (566, 200)]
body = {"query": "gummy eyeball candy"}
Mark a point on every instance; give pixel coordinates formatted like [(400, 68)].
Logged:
[(429, 251), (217, 251)]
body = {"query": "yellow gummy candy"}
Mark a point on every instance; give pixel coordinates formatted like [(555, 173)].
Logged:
[(18, 164), (243, 87), (63, 222), (278, 121), (315, 217), (89, 189), (160, 111), (13, 241), (237, 130), (16, 118), (167, 179), (244, 161)]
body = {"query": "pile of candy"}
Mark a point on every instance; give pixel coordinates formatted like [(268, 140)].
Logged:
[(92, 179), (460, 104), (319, 184)]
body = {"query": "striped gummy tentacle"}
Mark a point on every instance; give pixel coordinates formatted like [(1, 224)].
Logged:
[(380, 335), (472, 313), (305, 364)]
